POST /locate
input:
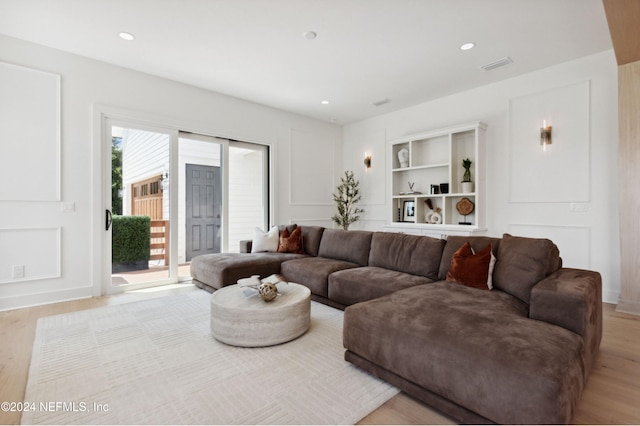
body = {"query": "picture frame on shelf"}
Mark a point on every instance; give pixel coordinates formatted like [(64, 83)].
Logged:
[(409, 211)]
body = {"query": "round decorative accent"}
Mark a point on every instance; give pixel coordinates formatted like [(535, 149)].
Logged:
[(427, 217), (436, 218), (465, 206), (268, 291)]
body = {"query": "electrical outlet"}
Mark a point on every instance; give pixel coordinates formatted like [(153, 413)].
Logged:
[(18, 271), (68, 206), (579, 207)]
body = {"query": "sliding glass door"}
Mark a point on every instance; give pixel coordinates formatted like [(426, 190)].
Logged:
[(171, 196)]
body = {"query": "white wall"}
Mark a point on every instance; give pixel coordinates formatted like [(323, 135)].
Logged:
[(144, 155), (586, 239), (85, 83)]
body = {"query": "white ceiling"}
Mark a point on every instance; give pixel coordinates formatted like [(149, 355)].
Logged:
[(406, 51)]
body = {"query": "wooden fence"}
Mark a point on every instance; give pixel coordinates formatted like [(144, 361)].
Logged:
[(160, 241)]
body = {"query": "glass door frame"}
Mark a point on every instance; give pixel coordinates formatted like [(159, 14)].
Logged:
[(108, 123), (224, 177)]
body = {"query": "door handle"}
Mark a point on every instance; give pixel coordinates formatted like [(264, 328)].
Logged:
[(108, 220)]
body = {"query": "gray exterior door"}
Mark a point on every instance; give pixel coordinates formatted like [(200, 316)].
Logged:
[(203, 206)]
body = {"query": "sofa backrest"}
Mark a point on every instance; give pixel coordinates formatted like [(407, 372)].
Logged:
[(412, 254), (311, 237), (350, 246), (455, 242), (523, 262)]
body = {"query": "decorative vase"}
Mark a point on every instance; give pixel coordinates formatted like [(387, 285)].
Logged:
[(427, 216), (403, 157), (467, 187)]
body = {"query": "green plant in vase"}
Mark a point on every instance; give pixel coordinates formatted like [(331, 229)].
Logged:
[(346, 198)]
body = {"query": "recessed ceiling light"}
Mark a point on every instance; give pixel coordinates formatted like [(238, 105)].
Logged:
[(127, 36), (310, 35), (467, 46), (325, 102)]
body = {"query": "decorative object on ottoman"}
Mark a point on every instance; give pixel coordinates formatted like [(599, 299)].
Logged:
[(266, 288), (252, 282), (268, 291)]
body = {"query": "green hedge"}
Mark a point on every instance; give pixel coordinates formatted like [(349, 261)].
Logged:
[(131, 236)]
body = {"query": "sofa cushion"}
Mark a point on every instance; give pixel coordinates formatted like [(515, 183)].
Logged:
[(522, 263), (412, 254), (313, 272), (291, 242), (455, 242), (350, 246), (369, 282), (475, 348), (311, 237), (222, 269), (472, 269)]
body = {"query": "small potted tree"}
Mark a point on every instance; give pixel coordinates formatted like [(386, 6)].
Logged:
[(467, 184), (346, 199)]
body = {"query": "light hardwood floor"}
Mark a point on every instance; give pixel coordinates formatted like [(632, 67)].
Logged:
[(611, 396)]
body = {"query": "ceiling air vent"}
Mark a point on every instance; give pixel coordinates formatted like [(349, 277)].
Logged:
[(497, 64), (381, 102)]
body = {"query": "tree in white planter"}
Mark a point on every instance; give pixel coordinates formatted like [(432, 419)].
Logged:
[(346, 199)]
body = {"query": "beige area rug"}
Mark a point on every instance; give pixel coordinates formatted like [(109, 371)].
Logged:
[(155, 362)]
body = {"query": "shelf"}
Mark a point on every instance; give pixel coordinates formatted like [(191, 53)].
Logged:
[(435, 158), (434, 225), (428, 166)]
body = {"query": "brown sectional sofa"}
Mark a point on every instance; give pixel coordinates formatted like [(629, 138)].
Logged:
[(520, 353)]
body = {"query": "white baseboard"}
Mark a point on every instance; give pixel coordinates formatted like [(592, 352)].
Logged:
[(28, 300), (610, 297), (628, 307)]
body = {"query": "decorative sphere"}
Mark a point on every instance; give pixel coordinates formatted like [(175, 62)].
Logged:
[(268, 291)]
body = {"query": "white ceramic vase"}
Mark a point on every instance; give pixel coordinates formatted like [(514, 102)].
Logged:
[(467, 187)]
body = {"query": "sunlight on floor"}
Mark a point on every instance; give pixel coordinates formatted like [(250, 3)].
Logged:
[(163, 288)]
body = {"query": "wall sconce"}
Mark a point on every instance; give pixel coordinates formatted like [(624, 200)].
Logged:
[(367, 160), (163, 181), (545, 135)]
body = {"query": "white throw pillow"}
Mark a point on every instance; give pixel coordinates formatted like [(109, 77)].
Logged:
[(265, 241), (492, 264)]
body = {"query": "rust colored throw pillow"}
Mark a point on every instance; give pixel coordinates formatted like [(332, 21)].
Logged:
[(472, 270), (291, 242)]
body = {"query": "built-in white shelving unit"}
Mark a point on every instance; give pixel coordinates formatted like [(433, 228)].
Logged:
[(435, 161)]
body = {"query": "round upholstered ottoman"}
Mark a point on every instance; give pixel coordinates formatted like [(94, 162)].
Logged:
[(240, 317)]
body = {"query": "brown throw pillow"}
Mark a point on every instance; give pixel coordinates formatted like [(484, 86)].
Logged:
[(470, 269), (291, 242)]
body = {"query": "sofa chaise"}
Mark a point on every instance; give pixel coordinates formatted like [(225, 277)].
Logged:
[(517, 348)]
